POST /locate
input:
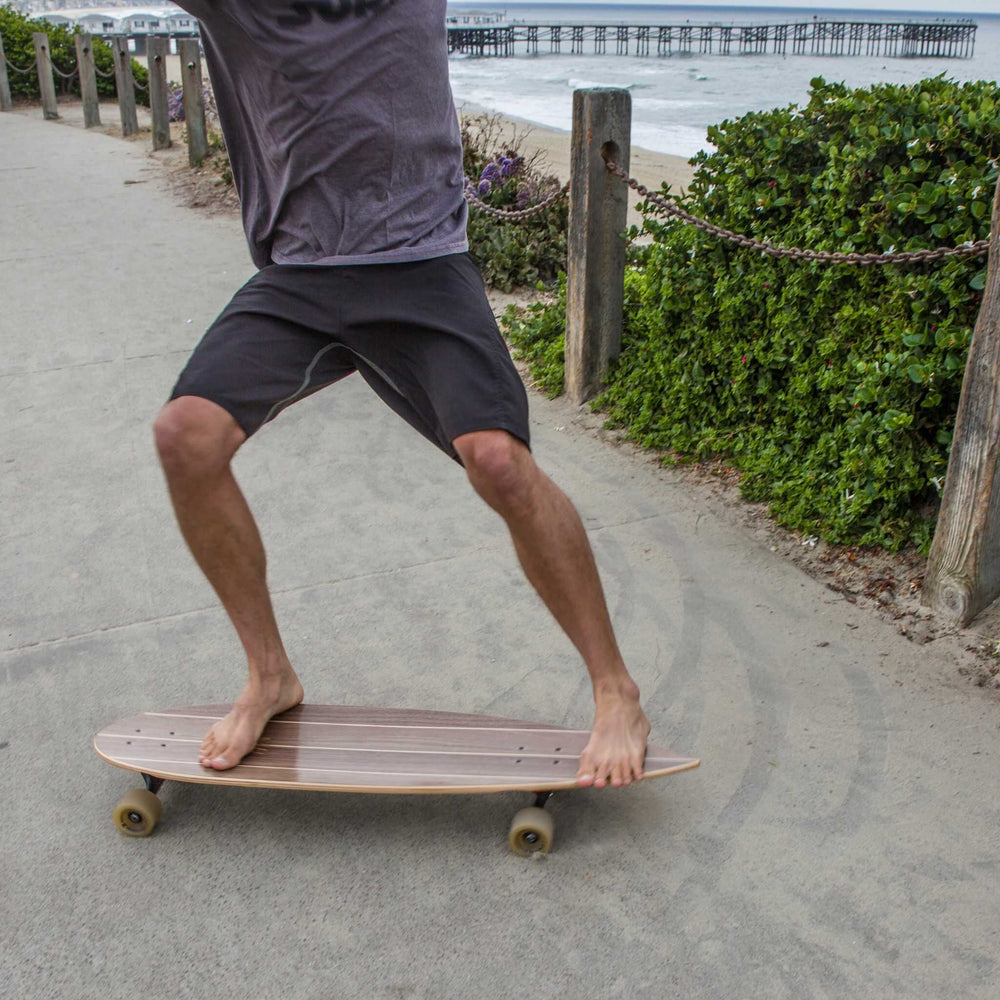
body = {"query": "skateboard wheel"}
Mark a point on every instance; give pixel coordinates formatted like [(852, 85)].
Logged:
[(136, 814), (531, 830)]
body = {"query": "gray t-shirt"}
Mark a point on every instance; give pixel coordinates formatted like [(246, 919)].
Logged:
[(340, 125)]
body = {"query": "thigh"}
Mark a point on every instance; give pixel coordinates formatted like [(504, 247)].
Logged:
[(423, 335), (273, 345)]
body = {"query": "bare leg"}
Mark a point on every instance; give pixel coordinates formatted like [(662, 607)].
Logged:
[(556, 557), (196, 440)]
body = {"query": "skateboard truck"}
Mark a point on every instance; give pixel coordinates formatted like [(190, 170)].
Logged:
[(152, 784)]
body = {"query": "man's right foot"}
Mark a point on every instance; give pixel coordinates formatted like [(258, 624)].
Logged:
[(233, 737)]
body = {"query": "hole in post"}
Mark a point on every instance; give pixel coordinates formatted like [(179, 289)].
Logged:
[(609, 151)]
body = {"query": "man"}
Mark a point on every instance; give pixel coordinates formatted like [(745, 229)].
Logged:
[(345, 150)]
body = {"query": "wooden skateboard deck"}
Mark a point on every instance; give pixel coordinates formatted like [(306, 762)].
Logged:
[(352, 749)]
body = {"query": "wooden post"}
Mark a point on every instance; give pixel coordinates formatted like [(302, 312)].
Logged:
[(595, 271), (5, 102), (88, 81), (194, 101), (963, 572), (158, 92), (46, 81), (126, 87)]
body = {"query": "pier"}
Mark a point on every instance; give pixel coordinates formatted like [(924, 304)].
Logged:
[(903, 40)]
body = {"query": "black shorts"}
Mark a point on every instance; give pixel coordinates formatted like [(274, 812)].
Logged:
[(422, 335)]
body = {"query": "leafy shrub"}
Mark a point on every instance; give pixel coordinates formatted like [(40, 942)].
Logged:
[(834, 388), (511, 253), (16, 30), (175, 102)]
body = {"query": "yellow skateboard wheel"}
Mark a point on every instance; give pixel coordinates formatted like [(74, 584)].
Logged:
[(531, 831), (136, 814)]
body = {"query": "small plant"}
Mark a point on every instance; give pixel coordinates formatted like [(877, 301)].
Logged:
[(175, 102), (511, 253)]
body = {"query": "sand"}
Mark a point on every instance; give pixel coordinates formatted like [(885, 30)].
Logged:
[(553, 146)]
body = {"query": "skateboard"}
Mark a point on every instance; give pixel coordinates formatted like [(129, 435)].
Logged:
[(332, 748)]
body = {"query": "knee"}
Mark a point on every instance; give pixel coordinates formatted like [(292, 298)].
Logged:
[(501, 470), (195, 437)]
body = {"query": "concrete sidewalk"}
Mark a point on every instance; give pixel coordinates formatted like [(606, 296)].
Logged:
[(839, 840)]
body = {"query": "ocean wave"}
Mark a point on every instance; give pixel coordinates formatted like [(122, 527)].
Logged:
[(575, 84)]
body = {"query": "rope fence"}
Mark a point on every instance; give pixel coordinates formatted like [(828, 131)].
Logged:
[(17, 69), (971, 248), (517, 215)]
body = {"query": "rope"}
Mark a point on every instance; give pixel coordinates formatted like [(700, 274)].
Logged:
[(514, 216), (970, 249), (104, 76), (17, 69), (66, 76)]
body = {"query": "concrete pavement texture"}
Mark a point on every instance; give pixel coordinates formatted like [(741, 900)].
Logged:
[(839, 839)]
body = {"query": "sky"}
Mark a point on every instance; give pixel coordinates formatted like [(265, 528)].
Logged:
[(939, 8)]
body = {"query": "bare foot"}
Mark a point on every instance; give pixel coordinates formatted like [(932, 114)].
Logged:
[(616, 751), (233, 737)]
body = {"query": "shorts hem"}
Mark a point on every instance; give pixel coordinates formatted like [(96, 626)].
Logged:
[(222, 404), (509, 426)]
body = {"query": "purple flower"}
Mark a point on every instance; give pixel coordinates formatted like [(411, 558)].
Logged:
[(484, 188), (491, 172), (510, 165)]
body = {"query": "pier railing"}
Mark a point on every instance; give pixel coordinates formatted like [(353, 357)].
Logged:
[(931, 40)]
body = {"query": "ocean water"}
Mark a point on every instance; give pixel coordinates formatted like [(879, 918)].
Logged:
[(675, 98)]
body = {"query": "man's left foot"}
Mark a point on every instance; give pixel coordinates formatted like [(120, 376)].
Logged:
[(616, 752)]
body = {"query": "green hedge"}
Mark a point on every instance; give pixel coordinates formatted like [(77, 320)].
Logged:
[(833, 388), (16, 30)]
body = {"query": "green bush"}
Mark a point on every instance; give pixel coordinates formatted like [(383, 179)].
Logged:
[(16, 31), (833, 388), (510, 253)]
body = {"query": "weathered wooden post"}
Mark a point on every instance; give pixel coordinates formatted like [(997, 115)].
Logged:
[(5, 101), (46, 80), (598, 205), (963, 572), (194, 100), (125, 83), (157, 53), (88, 81)]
